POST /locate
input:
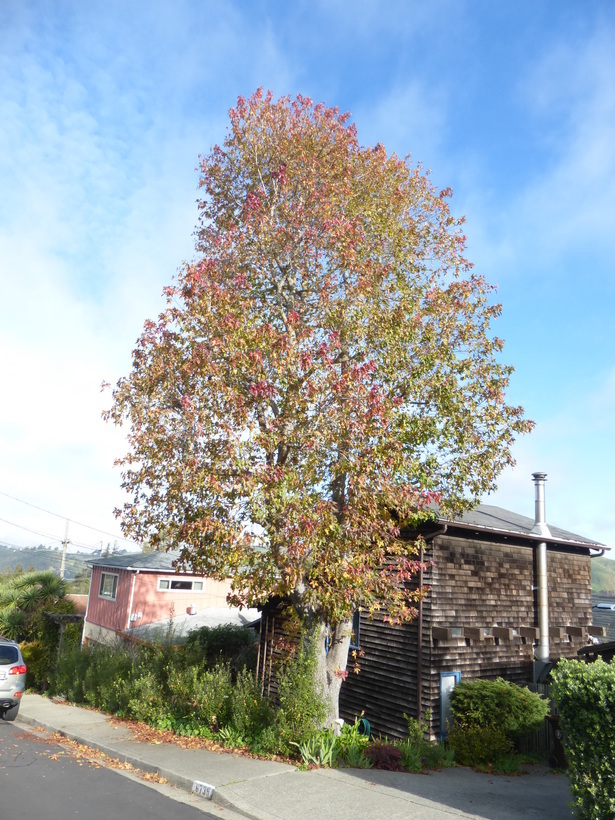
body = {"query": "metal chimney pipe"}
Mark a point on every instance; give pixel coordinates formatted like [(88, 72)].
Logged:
[(540, 528), (540, 522)]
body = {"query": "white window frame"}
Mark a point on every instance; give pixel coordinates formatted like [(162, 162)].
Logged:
[(108, 595), (166, 585)]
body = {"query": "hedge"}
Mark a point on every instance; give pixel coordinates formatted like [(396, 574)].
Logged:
[(585, 697)]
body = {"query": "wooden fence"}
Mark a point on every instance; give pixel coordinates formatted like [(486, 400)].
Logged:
[(542, 740)]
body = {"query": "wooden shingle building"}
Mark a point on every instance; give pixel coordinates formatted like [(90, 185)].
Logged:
[(506, 597)]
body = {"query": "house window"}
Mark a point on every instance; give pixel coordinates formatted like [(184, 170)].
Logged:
[(356, 630), (169, 585), (108, 586)]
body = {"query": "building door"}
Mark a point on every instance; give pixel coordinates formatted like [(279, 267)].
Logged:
[(448, 681)]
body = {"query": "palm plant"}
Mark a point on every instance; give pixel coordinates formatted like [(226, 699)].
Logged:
[(9, 595), (12, 622), (24, 597), (30, 597)]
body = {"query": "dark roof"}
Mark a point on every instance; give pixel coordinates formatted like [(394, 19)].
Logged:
[(485, 518), (489, 518), (152, 561), (604, 617), (606, 651)]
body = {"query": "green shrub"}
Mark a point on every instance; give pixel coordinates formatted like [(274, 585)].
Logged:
[(69, 675), (585, 698), (486, 703), (266, 743), (99, 676), (351, 745), (225, 643), (250, 712), (202, 697), (474, 745), (108, 676), (416, 729), (176, 689), (301, 709), (437, 756), (145, 701), (34, 657)]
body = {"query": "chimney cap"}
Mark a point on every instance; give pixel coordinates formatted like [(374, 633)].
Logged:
[(540, 523)]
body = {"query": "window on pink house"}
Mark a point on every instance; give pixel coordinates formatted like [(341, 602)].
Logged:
[(171, 585), (108, 586)]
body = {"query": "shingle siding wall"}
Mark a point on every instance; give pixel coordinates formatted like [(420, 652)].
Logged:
[(570, 595), (481, 584), (475, 586)]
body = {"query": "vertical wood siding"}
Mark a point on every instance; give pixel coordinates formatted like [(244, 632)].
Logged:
[(147, 600), (103, 611)]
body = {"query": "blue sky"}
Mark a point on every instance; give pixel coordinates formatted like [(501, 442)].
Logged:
[(104, 108)]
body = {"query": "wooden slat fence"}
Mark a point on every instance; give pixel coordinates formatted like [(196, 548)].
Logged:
[(541, 740)]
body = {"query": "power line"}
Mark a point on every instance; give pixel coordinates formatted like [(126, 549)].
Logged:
[(36, 532), (72, 521), (86, 547), (50, 552)]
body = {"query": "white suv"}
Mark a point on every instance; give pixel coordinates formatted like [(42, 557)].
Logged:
[(12, 679)]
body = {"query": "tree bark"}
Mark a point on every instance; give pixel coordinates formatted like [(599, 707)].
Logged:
[(331, 645)]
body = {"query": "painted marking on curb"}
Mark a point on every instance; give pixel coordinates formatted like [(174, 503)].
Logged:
[(204, 789)]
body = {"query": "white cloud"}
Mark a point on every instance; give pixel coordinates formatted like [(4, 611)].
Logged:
[(565, 196)]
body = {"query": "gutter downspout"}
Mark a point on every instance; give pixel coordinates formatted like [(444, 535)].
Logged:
[(132, 595), (540, 528), (419, 647), (84, 639)]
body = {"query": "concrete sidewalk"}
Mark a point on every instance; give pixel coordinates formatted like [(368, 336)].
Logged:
[(269, 790)]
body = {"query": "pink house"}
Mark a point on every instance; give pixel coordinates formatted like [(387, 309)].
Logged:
[(133, 590)]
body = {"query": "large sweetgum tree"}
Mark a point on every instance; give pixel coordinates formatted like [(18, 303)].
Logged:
[(323, 370)]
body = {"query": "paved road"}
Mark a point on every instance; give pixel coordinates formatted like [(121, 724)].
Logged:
[(40, 779)]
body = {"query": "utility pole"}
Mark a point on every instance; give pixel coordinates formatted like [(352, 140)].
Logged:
[(64, 546)]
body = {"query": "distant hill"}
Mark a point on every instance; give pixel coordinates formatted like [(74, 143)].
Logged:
[(603, 576), (43, 558)]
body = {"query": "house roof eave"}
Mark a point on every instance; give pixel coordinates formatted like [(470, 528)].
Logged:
[(526, 536), (496, 521)]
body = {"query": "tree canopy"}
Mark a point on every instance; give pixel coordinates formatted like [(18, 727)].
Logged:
[(323, 371)]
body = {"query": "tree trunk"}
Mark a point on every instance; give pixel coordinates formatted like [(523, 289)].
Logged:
[(331, 646)]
